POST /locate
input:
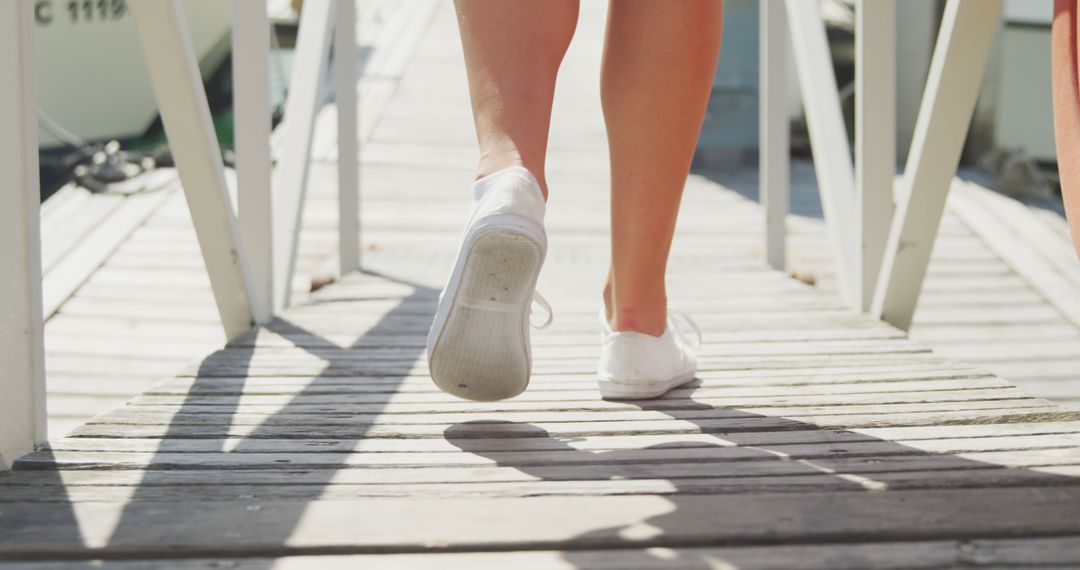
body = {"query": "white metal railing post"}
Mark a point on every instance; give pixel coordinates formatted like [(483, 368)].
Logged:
[(22, 378), (185, 113), (952, 87), (251, 86), (347, 77), (290, 177), (775, 149), (875, 138), (828, 136)]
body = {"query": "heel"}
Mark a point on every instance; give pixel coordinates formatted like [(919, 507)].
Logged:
[(482, 350)]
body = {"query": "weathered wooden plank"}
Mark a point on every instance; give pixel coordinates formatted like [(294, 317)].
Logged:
[(990, 352), (937, 451), (609, 469), (926, 439), (942, 336), (416, 324), (1060, 390), (983, 214), (748, 422), (580, 394), (579, 359), (131, 367), (560, 347), (925, 435), (566, 391), (404, 368), (356, 303), (63, 205), (1036, 552), (968, 479), (393, 525), (432, 423), (269, 339), (58, 239), (125, 346), (762, 377), (341, 404), (92, 249), (824, 374)]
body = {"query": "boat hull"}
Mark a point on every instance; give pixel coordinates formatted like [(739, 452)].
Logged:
[(92, 77)]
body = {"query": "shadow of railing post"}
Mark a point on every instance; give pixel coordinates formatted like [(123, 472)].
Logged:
[(338, 365), (738, 463)]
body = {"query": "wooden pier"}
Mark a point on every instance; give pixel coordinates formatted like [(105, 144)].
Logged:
[(815, 437)]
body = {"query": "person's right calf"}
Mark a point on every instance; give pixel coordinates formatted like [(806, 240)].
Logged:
[(512, 54)]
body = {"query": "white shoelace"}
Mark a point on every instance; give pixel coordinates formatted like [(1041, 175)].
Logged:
[(540, 300), (676, 318)]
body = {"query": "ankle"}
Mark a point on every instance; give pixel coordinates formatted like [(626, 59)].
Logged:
[(651, 320), (494, 162)]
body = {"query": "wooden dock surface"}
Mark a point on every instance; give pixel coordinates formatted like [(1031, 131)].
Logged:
[(124, 273), (815, 437), (1002, 290)]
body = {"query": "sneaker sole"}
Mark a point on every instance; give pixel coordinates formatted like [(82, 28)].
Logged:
[(615, 390), (480, 349)]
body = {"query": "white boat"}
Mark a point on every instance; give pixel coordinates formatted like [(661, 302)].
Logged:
[(92, 78)]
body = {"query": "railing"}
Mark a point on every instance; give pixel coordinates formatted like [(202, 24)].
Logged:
[(249, 258), (22, 356), (882, 249)]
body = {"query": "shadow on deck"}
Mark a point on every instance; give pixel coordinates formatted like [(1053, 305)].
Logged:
[(254, 458)]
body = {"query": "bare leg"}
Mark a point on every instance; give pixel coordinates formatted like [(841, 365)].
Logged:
[(512, 54), (1067, 108), (659, 63)]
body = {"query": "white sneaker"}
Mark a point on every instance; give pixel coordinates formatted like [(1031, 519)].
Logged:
[(637, 366), (478, 346)]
